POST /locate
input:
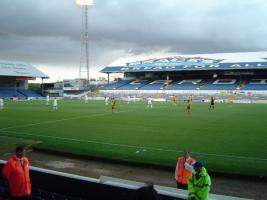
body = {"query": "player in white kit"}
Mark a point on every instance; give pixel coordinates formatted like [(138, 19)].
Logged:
[(106, 100), (149, 102), (1, 104), (86, 99), (47, 100), (55, 104), (134, 98), (128, 99)]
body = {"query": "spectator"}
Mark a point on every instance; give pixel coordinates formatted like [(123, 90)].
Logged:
[(146, 192), (183, 170), (16, 172), (199, 183)]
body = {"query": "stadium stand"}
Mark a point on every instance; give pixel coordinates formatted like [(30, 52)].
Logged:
[(14, 78), (52, 185), (155, 85), (134, 85), (220, 84), (209, 74), (189, 84), (255, 84), (28, 93), (20, 93), (116, 85), (7, 93)]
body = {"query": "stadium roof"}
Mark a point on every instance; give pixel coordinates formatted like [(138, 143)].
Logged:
[(20, 69), (221, 61)]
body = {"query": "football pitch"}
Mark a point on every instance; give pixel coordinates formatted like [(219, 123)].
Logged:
[(230, 139)]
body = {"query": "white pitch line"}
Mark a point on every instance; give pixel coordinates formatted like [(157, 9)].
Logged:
[(57, 120), (138, 147)]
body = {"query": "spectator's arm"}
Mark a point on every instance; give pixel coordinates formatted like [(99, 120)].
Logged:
[(189, 167)]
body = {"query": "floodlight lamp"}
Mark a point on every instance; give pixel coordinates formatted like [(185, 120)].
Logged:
[(85, 2)]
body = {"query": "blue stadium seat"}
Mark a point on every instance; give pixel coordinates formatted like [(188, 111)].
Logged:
[(10, 93), (186, 85), (255, 84), (19, 93), (183, 84), (134, 85), (219, 87), (255, 87), (116, 85), (28, 93), (155, 85), (7, 93), (223, 84)]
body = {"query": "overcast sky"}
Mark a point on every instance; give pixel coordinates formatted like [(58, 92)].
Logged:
[(46, 33)]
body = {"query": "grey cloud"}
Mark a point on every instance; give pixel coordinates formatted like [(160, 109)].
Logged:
[(48, 32), (39, 18), (216, 27)]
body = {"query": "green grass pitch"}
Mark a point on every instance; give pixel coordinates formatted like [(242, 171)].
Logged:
[(232, 138)]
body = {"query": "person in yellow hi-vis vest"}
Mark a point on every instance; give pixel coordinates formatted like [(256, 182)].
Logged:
[(199, 183)]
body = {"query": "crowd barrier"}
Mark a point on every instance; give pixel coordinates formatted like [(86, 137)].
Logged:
[(49, 184)]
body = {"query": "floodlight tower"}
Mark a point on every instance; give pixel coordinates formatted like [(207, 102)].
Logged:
[(84, 56)]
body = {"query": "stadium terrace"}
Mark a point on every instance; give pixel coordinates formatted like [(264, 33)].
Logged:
[(203, 72), (168, 67), (14, 78), (19, 69), (187, 63)]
